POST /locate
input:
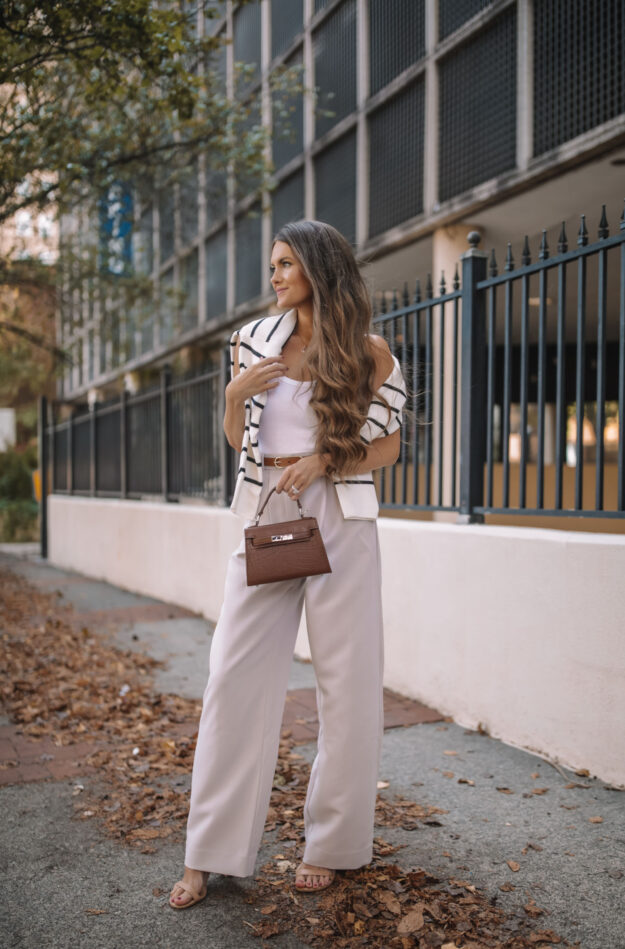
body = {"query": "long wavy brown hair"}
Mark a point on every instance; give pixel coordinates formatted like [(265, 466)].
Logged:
[(338, 357)]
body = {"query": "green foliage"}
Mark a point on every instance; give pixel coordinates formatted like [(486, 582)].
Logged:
[(16, 474), (18, 521), (93, 94)]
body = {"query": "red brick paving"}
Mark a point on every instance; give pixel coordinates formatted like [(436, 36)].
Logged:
[(148, 612), (24, 759)]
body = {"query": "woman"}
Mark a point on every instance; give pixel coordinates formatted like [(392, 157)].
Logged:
[(314, 405)]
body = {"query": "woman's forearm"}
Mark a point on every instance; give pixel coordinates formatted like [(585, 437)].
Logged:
[(380, 453), (234, 421)]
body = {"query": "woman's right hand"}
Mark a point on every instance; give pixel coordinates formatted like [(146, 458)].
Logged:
[(259, 377)]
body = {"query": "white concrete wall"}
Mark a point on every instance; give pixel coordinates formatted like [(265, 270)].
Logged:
[(518, 629)]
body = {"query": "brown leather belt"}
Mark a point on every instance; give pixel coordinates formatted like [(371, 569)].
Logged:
[(280, 461)]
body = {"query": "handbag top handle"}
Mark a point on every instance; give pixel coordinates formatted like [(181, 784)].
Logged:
[(264, 505)]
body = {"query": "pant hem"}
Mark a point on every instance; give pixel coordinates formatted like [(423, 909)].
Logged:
[(348, 860), (225, 864)]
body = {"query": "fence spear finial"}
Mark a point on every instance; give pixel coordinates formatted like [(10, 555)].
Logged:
[(604, 229), (443, 286), (383, 302), (526, 257), (456, 278), (492, 266), (622, 221), (563, 243), (417, 291), (582, 234), (406, 294), (395, 301), (543, 252), (429, 289), (509, 265)]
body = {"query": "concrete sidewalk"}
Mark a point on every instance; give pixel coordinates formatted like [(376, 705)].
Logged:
[(504, 808)]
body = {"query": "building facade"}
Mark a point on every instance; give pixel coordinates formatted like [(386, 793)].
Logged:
[(431, 118)]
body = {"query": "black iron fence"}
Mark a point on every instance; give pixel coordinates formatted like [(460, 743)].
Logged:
[(516, 398)]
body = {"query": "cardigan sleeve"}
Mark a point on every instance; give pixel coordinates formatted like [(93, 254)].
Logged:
[(386, 409)]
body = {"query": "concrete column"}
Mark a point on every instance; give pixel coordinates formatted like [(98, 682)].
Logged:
[(362, 149), (430, 158), (448, 243), (525, 84), (309, 112)]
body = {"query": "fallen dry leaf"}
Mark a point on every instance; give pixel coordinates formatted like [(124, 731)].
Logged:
[(539, 790), (466, 781), (135, 802), (96, 912), (596, 820), (505, 790), (514, 866), (411, 922)]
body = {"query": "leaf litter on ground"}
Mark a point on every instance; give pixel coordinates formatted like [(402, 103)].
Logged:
[(69, 683)]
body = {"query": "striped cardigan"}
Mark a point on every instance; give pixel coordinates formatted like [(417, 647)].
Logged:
[(356, 494)]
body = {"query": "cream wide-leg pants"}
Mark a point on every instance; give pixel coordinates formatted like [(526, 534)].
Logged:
[(250, 659)]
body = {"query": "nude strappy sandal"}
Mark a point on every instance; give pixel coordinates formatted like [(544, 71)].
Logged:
[(196, 897), (303, 872)]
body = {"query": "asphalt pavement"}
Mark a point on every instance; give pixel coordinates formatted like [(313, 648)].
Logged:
[(64, 884)]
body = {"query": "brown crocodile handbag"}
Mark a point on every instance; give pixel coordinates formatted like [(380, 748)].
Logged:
[(284, 551)]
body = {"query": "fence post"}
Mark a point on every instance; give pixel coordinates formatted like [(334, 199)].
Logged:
[(53, 484), (93, 421), (123, 465), (70, 452), (43, 472), (472, 382), (224, 448), (165, 379)]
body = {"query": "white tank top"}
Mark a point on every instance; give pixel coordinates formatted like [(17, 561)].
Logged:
[(288, 425)]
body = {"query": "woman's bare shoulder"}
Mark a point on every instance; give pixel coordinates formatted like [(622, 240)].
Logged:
[(383, 358)]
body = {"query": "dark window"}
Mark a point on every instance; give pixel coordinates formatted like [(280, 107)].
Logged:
[(189, 281), (335, 66), (453, 13), (396, 160), (168, 306), (247, 26), (320, 4), (189, 204), (477, 108), (288, 124), (216, 273), (248, 172), (396, 38), (579, 68), (288, 201), (216, 192), (287, 20), (248, 240), (166, 222), (335, 185)]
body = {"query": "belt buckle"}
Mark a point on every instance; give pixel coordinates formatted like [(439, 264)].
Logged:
[(276, 462)]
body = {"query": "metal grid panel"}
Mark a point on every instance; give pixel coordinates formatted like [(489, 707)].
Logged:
[(288, 130), (335, 66), (81, 443), (189, 275), (249, 178), (453, 13), (108, 451), (143, 427), (189, 204), (287, 20), (166, 222), (396, 137), (194, 439), (248, 241), (320, 4), (288, 201), (247, 27), (396, 38), (477, 108), (216, 271), (335, 185), (579, 68)]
